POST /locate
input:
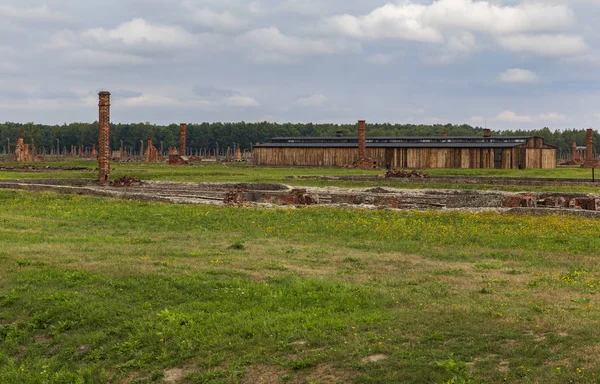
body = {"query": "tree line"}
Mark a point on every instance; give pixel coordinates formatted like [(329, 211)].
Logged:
[(210, 135)]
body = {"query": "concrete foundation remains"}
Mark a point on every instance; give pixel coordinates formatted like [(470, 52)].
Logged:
[(283, 195)]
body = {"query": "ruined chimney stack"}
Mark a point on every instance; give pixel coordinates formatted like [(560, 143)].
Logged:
[(574, 152), (362, 139), (21, 135), (589, 154), (182, 139), (487, 132), (104, 138), (444, 134)]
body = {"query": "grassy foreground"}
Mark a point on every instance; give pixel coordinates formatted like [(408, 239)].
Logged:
[(95, 291), (241, 172)]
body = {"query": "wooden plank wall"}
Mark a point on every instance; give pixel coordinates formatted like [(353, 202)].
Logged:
[(414, 158)]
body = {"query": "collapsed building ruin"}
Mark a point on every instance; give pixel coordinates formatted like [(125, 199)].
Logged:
[(151, 154), (23, 152)]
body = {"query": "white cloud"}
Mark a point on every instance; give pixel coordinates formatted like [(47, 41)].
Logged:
[(544, 45), (149, 100), (517, 75), (270, 45), (240, 101), (511, 116), (517, 28), (95, 58), (140, 32), (312, 101), (218, 21), (488, 17), (553, 116), (389, 21)]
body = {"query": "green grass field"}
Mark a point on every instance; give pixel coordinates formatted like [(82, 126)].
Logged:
[(95, 290)]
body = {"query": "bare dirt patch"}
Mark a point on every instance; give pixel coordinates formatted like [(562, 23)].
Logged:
[(374, 359), (173, 375), (327, 373), (264, 374)]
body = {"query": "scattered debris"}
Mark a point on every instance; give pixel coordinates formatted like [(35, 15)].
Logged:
[(126, 182), (233, 197), (83, 349), (405, 174)]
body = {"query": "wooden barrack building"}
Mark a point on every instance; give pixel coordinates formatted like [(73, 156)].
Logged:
[(500, 152)]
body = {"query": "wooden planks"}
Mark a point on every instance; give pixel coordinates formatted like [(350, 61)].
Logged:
[(413, 158)]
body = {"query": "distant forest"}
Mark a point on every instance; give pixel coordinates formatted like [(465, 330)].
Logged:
[(207, 135)]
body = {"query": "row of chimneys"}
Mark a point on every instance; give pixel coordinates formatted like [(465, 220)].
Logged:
[(104, 138)]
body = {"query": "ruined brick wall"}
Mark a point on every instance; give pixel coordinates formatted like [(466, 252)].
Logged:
[(104, 138), (362, 139), (182, 139), (589, 153), (151, 154), (22, 152)]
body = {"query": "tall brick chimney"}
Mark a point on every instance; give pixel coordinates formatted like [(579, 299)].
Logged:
[(104, 138), (487, 132), (444, 134), (589, 150), (182, 139), (362, 139)]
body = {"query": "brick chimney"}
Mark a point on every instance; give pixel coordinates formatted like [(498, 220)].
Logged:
[(362, 139), (182, 139), (444, 134), (589, 150), (238, 152), (487, 132), (21, 135), (104, 138)]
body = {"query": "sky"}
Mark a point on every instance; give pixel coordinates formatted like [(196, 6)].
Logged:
[(505, 64)]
